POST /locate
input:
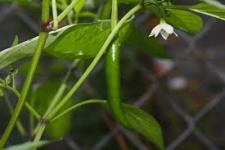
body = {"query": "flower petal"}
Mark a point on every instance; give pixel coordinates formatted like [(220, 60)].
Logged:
[(164, 34), (156, 30), (168, 28)]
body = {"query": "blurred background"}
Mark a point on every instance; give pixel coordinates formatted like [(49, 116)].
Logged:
[(180, 81)]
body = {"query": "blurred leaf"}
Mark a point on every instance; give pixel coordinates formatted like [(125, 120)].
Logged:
[(15, 41), (1, 92), (28, 3), (79, 6), (153, 7), (8, 79), (214, 3), (106, 10), (209, 10), (42, 97), (144, 124), (61, 126), (129, 1), (140, 41), (184, 20), (28, 145)]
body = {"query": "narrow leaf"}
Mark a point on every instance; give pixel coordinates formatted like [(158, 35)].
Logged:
[(209, 10), (28, 145)]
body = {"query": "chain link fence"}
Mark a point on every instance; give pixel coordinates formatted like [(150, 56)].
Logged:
[(192, 90)]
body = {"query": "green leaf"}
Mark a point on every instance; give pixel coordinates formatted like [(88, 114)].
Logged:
[(25, 49), (214, 3), (106, 10), (184, 20), (64, 124), (209, 10), (1, 92), (144, 124), (28, 145), (80, 41), (154, 7), (15, 41), (71, 42)]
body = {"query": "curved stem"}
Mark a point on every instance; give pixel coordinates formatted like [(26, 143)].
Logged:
[(91, 101), (29, 78), (95, 61), (75, 87), (61, 89)]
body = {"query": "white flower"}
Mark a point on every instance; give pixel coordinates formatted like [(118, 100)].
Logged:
[(164, 29)]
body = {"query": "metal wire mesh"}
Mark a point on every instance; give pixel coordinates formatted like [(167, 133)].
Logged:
[(191, 52)]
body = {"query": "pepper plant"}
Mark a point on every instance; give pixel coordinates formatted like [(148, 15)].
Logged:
[(99, 38)]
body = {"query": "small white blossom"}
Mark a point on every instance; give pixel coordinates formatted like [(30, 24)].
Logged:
[(164, 29)]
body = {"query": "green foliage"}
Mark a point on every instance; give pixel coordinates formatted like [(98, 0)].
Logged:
[(25, 49), (71, 45), (144, 124), (79, 6), (214, 3), (28, 145), (42, 97), (129, 1), (1, 92), (84, 41), (27, 3), (184, 20), (209, 10)]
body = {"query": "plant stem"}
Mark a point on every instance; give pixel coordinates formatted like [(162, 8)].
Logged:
[(56, 98), (61, 89), (19, 125), (89, 69), (28, 106), (40, 132), (54, 14), (91, 101), (29, 78), (67, 10), (95, 61)]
